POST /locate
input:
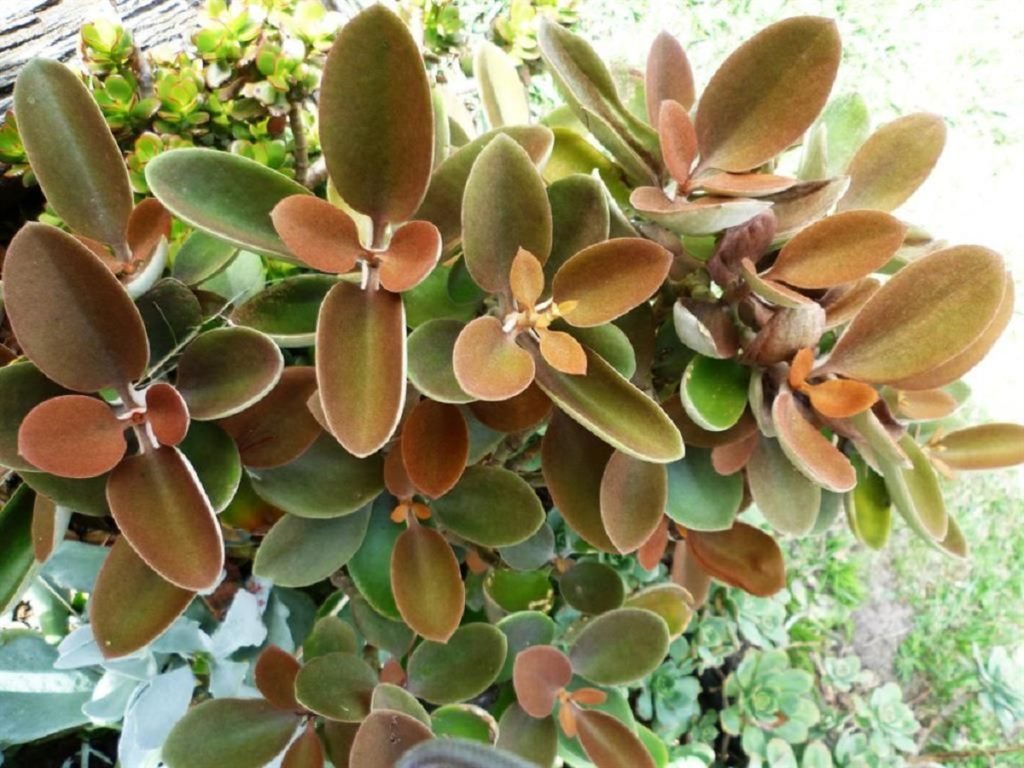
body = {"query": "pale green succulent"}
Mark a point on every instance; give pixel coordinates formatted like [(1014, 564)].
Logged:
[(1002, 685)]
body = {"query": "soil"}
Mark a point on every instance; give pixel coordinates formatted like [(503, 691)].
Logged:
[(882, 621)]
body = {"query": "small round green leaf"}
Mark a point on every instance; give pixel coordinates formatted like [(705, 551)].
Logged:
[(698, 497), (592, 587), (714, 392), (459, 670), (491, 506), (338, 686), (430, 361)]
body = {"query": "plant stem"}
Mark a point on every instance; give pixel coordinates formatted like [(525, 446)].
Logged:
[(299, 137)]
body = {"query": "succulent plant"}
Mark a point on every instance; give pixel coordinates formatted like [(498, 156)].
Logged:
[(889, 723), (1002, 685), (467, 334)]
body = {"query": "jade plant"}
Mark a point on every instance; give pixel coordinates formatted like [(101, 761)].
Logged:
[(643, 323)]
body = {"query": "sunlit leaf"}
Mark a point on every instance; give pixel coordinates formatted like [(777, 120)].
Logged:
[(319, 234), (229, 733), (488, 363), (609, 743), (505, 208), (562, 352), (540, 672), (987, 446), (916, 494), (73, 154), (619, 646), (300, 551), (200, 257), (384, 736), (491, 506), (925, 315), (805, 203), (868, 507), (51, 281), (744, 184), (336, 685), (412, 253), (427, 583), (767, 93), (742, 556), (668, 600), (678, 138), (811, 453), (703, 216), (592, 587), (72, 436), (698, 496), (843, 302), (788, 500), (668, 76), (633, 497), (459, 670), (714, 392), (502, 93), (842, 398), (894, 162)]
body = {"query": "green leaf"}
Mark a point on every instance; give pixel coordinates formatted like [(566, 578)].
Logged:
[(714, 392), (223, 194), (579, 217), (620, 646), (72, 152), (329, 635), (300, 551), (490, 506), (458, 753), (459, 670), (670, 601), (502, 93), (86, 496), (200, 257), (214, 457), (376, 119), (518, 590), (336, 685), (532, 739), (427, 583), (788, 500), (916, 493), (843, 125), (608, 741), (397, 699), (868, 507), (52, 281), (698, 497), (986, 446), (22, 388), (325, 481), (16, 559), (172, 316), (393, 636), (767, 93), (608, 341), (606, 404), (287, 310), (505, 208), (229, 733), (360, 365), (370, 567), (894, 162), (430, 361), (464, 721), (703, 216), (592, 587)]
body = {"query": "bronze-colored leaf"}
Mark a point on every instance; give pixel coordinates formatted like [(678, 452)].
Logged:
[(427, 584), (842, 398), (730, 458), (651, 551), (633, 496), (562, 352), (688, 573), (274, 673), (525, 410), (306, 751), (609, 743), (488, 362), (435, 447), (706, 328), (767, 93), (839, 249), (703, 216), (678, 140), (539, 674), (411, 255), (160, 507), (606, 280), (923, 405), (925, 315), (526, 279), (376, 126), (788, 331), (383, 737), (148, 224), (744, 184), (72, 152), (987, 446), (805, 203), (49, 524), (811, 452), (360, 365), (166, 413), (72, 436), (743, 557), (321, 235), (502, 92), (771, 291), (669, 76), (131, 605), (71, 316), (843, 302), (894, 162)]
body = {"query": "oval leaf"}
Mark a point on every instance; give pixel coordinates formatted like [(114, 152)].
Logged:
[(320, 235), (459, 670), (427, 583), (431, 348), (743, 556), (384, 736), (540, 673), (619, 646), (229, 733), (491, 506), (608, 742), (811, 453), (987, 446), (669, 76), (633, 496), (788, 500), (72, 436), (488, 363), (274, 673), (287, 311), (714, 392), (22, 388), (337, 685), (699, 497), (435, 446), (592, 587)]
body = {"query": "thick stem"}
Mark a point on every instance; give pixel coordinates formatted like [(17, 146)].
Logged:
[(299, 137)]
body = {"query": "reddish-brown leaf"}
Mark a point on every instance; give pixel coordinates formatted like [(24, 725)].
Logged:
[(633, 497), (539, 673), (306, 751), (396, 479), (743, 557), (732, 457), (526, 279), (319, 234), (609, 743), (166, 413), (652, 550), (744, 184), (841, 398), (148, 223), (811, 452), (687, 573), (843, 302), (412, 254), (72, 436), (678, 140), (160, 507), (562, 352), (488, 363), (525, 410), (427, 583), (383, 737), (669, 76), (435, 447), (275, 674), (923, 405)]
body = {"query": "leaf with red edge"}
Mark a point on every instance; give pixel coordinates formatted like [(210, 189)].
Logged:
[(633, 496), (842, 398), (812, 453), (376, 123), (652, 550), (767, 93), (435, 447), (839, 249), (166, 413), (488, 362), (678, 140), (274, 673), (383, 737), (160, 507), (539, 674), (730, 458), (687, 573), (226, 370), (525, 410), (427, 584), (411, 255), (279, 428), (306, 751), (609, 743), (668, 76), (743, 557), (131, 604), (360, 365), (562, 352), (744, 184), (321, 235), (526, 279), (72, 436), (505, 208), (51, 281), (608, 279)]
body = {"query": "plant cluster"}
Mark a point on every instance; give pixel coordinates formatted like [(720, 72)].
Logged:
[(629, 345)]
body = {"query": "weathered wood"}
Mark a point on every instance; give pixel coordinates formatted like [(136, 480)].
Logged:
[(50, 28)]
